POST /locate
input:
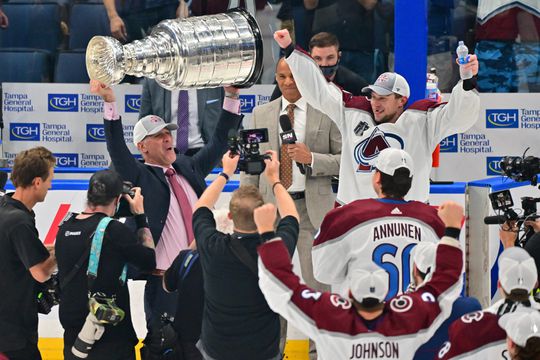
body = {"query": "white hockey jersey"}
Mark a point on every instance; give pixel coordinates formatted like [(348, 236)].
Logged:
[(380, 230), (333, 323), (418, 130)]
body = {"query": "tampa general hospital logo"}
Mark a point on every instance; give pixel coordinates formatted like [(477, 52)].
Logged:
[(368, 149)]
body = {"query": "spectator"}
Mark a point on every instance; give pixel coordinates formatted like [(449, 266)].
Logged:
[(23, 258), (367, 127), (373, 228), (120, 246), (423, 256), (132, 19), (522, 334), (185, 276), (317, 151), (172, 183), (365, 324), (237, 322), (196, 111), (477, 335), (324, 49)]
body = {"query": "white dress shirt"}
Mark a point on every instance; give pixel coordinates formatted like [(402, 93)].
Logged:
[(195, 139)]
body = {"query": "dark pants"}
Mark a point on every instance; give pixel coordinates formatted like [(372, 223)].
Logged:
[(157, 301), (30, 352), (101, 350), (190, 351)]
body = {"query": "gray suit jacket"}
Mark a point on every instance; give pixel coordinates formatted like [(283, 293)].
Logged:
[(324, 141), (156, 100)]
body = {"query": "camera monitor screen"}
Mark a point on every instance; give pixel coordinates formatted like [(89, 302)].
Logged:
[(252, 136), (501, 200)]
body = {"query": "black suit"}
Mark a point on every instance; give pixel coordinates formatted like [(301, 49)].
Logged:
[(151, 179)]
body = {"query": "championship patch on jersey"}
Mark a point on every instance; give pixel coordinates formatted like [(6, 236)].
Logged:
[(366, 152)]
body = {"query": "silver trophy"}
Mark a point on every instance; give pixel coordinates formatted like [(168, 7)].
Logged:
[(196, 52)]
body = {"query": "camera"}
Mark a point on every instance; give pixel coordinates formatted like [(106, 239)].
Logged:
[(127, 188), (502, 202), (105, 309), (246, 144), (524, 168), (48, 294)]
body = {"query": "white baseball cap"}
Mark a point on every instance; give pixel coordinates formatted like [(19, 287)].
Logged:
[(521, 325), (368, 281), (424, 255), (150, 125), (391, 159), (517, 270), (388, 83)]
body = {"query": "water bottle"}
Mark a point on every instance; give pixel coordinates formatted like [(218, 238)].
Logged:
[(463, 57), (432, 85)]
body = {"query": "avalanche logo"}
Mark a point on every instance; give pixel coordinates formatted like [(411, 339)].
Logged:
[(368, 149)]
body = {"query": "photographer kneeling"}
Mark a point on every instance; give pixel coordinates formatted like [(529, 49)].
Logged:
[(94, 302)]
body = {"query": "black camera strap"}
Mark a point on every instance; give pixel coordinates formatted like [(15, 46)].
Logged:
[(243, 255)]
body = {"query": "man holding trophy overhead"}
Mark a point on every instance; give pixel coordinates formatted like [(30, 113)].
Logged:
[(207, 51)]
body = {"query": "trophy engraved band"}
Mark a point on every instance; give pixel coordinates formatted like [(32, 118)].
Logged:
[(196, 52)]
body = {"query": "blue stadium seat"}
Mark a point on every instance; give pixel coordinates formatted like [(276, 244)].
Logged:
[(86, 21), (24, 65), (32, 26), (71, 67)]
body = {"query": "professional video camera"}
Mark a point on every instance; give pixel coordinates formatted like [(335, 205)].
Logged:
[(524, 168), (246, 144), (502, 203)]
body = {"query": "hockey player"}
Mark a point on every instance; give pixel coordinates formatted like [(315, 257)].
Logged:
[(385, 229), (477, 335), (364, 327), (368, 126)]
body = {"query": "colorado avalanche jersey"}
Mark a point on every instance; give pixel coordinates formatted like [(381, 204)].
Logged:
[(380, 230), (478, 336), (333, 323), (418, 130)]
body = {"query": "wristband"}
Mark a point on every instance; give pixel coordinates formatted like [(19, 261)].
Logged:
[(273, 186), (225, 176), (141, 221), (232, 95), (452, 232), (289, 50), (269, 235)]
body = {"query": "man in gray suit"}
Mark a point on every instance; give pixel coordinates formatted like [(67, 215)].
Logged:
[(195, 111), (318, 149)]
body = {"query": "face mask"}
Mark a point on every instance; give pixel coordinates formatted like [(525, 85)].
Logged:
[(329, 71)]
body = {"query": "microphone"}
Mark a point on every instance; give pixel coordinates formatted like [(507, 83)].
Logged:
[(3, 181), (288, 136), (494, 220)]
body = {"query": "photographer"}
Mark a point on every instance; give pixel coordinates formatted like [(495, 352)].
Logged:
[(23, 258), (237, 322), (120, 246)]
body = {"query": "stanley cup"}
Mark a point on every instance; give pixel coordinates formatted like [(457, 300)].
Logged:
[(196, 52)]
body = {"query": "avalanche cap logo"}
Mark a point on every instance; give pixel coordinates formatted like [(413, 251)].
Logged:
[(366, 152)]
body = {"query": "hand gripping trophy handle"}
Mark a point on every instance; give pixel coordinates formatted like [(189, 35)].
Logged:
[(196, 52)]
